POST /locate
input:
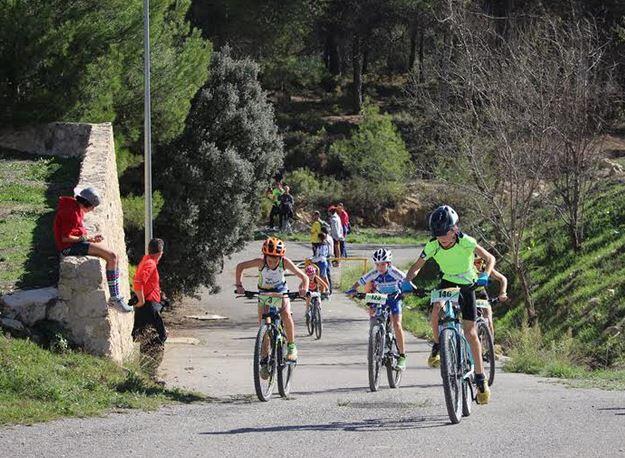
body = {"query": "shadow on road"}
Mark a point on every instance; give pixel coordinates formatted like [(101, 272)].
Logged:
[(368, 425), (358, 388), (616, 410)]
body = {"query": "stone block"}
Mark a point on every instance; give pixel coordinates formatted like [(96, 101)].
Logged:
[(29, 306)]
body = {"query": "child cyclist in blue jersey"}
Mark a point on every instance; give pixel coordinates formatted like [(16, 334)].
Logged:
[(271, 278), (386, 279), (454, 252)]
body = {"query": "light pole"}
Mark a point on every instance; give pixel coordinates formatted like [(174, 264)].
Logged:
[(147, 134)]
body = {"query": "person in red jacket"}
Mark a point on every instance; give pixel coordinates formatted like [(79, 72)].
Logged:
[(71, 238), (149, 328)]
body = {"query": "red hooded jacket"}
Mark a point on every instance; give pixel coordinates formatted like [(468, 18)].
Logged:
[(68, 221)]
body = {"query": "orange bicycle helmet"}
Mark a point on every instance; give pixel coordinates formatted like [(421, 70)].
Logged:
[(274, 247), (479, 263)]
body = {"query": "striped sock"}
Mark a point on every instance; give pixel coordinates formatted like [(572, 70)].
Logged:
[(112, 277)]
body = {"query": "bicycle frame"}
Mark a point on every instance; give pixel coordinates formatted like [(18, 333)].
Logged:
[(449, 319)]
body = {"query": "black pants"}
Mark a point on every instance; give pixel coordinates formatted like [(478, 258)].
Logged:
[(467, 299), (275, 212), (146, 317)]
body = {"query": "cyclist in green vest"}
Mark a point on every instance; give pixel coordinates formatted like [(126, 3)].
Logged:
[(454, 252)]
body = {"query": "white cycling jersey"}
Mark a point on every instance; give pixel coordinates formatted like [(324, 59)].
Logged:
[(386, 283), (269, 279)]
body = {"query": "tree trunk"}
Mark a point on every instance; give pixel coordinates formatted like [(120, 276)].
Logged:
[(365, 61), (421, 68), (332, 54), (413, 49), (532, 317), (357, 77)]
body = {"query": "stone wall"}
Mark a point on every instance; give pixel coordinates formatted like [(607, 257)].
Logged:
[(83, 292), (63, 139)]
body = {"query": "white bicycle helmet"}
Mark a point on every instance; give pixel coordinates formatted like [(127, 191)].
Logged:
[(382, 255)]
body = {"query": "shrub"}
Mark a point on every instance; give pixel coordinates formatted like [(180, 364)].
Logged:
[(376, 151), (134, 210), (212, 176)]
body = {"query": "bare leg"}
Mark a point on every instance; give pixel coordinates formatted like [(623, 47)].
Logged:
[(488, 315), (287, 319), (434, 320), (399, 332), (101, 252), (474, 342)]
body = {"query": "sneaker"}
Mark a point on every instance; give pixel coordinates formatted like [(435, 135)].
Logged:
[(401, 362), (434, 360), (264, 370), (121, 304), (483, 391), (291, 352)]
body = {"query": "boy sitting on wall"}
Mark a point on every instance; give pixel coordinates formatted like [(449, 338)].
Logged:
[(71, 238)]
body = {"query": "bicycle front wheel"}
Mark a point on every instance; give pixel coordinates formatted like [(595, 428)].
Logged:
[(451, 374), (264, 363), (376, 350), (318, 322), (393, 373), (488, 350), (285, 369), (310, 320)]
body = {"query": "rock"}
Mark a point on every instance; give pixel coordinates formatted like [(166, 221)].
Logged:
[(30, 306), (12, 325), (594, 301)]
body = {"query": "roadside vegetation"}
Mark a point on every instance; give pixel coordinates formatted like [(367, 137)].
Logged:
[(29, 190), (40, 385)]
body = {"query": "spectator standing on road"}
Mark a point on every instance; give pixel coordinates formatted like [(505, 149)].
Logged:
[(149, 329), (329, 241), (71, 238), (315, 228), (340, 209), (274, 193), (336, 230), (320, 257), (286, 209)]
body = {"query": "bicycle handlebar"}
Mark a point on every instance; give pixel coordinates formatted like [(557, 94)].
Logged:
[(253, 294)]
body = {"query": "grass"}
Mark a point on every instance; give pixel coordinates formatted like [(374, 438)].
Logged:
[(369, 236), (531, 353), (39, 385), (29, 189), (578, 294)]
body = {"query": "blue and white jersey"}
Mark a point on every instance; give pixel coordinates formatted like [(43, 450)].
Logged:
[(386, 283)]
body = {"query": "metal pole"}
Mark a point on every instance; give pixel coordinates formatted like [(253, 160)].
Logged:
[(147, 135)]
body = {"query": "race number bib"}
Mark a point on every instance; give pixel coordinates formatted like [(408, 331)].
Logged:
[(444, 295), (270, 301), (482, 304), (376, 298)]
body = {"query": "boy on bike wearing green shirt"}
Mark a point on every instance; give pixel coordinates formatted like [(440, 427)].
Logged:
[(454, 252)]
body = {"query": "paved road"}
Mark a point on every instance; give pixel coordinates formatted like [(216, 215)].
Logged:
[(331, 411)]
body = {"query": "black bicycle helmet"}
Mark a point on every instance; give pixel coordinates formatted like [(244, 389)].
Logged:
[(442, 220)]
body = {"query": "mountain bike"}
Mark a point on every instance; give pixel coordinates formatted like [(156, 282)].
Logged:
[(314, 323), (270, 349), (383, 350), (486, 338), (457, 365)]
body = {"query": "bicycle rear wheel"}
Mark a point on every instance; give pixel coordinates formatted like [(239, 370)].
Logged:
[(488, 350), (451, 375), (394, 374), (285, 369), (264, 363), (318, 322), (376, 350)]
